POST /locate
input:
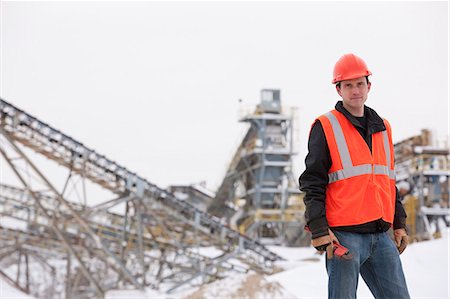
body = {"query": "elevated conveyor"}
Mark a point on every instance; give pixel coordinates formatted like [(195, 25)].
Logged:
[(155, 231)]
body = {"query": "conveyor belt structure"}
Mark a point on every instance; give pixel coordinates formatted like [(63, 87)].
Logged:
[(156, 241)]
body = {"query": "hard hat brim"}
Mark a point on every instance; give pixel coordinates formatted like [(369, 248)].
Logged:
[(350, 77)]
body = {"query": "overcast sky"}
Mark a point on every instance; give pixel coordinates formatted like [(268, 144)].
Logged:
[(155, 85)]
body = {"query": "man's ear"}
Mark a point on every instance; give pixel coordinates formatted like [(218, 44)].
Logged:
[(338, 89), (369, 84)]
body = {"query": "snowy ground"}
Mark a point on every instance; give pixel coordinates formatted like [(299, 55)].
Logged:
[(426, 266), (9, 292)]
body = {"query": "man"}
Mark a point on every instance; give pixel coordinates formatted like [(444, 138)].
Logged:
[(350, 192)]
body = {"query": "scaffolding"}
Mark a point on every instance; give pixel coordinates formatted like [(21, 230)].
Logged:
[(426, 168), (259, 195), (155, 240)]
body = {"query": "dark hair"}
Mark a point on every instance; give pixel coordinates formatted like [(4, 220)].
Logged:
[(338, 84)]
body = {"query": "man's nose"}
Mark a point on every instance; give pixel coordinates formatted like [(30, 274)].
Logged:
[(355, 90)]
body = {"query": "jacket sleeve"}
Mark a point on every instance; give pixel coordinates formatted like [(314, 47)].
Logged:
[(400, 214), (314, 180)]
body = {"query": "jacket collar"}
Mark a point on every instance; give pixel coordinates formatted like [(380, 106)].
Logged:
[(374, 122)]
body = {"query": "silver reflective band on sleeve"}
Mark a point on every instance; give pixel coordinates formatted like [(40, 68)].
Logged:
[(349, 170)]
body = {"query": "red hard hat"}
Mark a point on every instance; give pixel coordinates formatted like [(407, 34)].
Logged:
[(349, 67)]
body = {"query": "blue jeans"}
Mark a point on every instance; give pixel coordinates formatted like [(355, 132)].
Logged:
[(376, 258)]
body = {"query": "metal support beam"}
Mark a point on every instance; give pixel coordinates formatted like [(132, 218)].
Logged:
[(68, 289), (53, 224), (77, 217), (219, 260), (12, 282), (111, 238), (139, 225)]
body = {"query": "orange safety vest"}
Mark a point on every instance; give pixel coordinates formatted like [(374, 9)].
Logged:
[(361, 185)]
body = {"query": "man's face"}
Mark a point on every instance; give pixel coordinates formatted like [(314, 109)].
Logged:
[(354, 92)]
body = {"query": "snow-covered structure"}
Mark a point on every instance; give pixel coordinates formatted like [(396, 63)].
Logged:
[(141, 236)]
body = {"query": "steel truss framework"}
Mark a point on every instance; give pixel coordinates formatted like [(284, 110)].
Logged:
[(260, 174), (156, 242), (426, 169)]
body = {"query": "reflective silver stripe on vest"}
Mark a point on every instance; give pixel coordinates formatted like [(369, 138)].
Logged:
[(340, 141), (382, 169), (386, 148), (349, 170), (388, 154)]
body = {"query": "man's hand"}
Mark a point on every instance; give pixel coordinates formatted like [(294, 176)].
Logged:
[(401, 239), (325, 240)]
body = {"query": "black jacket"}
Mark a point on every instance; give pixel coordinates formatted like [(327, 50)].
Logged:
[(314, 179)]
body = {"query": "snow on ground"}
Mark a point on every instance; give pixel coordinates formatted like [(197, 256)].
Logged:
[(242, 286), (426, 266), (130, 294), (10, 222), (9, 292)]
